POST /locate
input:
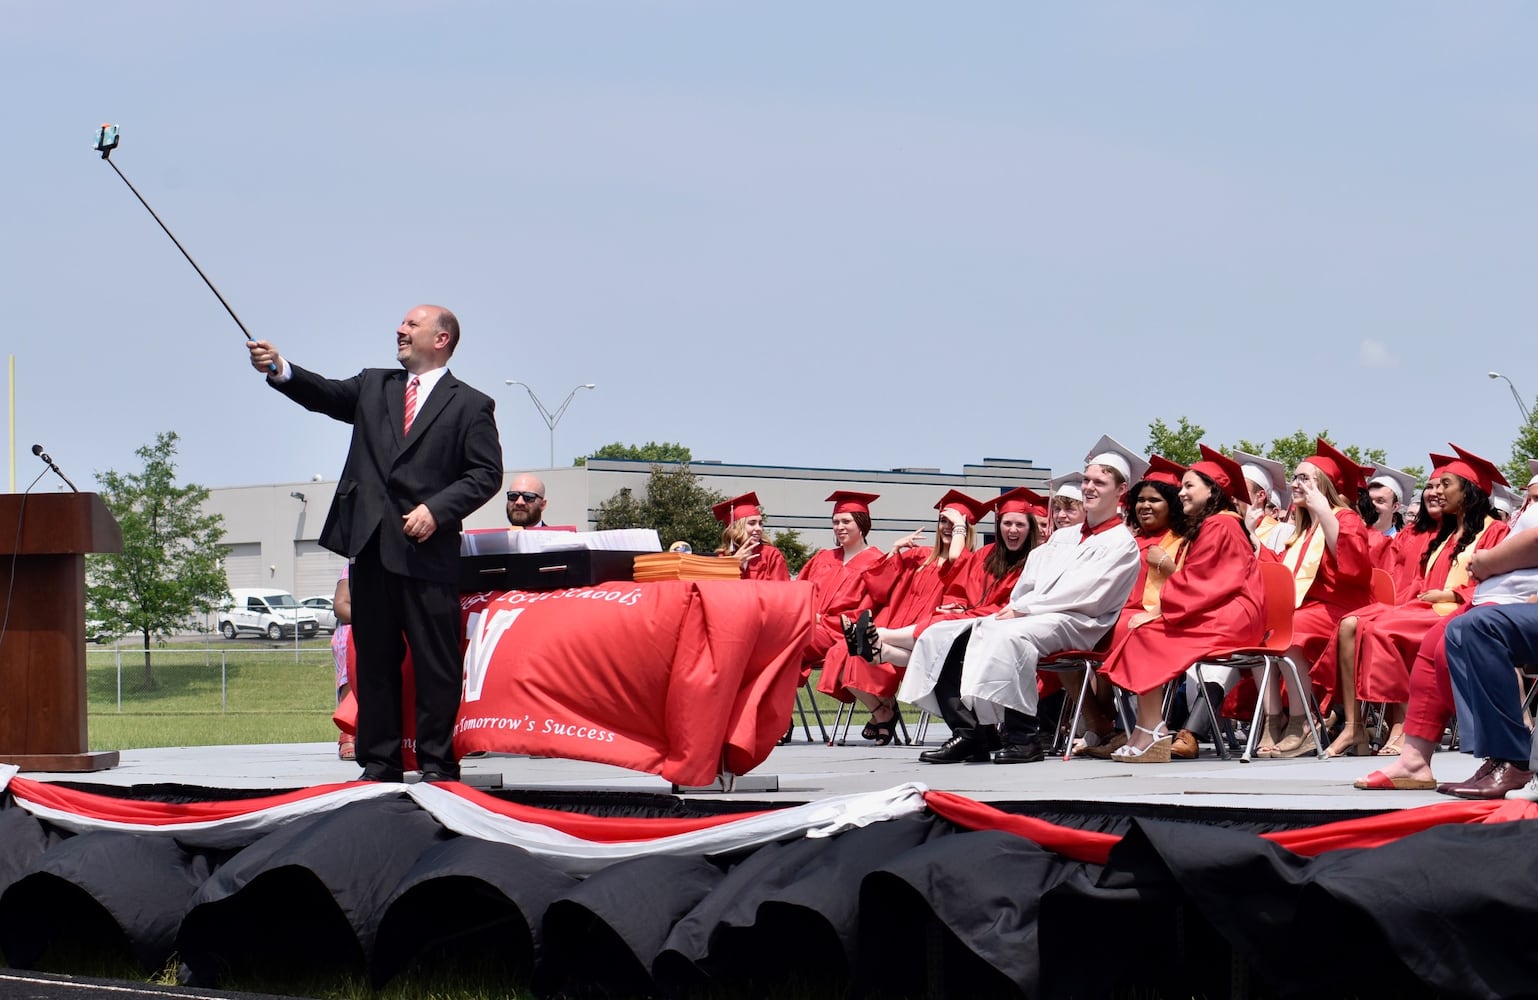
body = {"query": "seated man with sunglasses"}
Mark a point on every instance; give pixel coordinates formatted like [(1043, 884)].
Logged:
[(526, 502)]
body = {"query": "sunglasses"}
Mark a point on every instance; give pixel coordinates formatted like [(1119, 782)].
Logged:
[(527, 496)]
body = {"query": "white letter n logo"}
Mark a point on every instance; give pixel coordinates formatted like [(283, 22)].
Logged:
[(483, 635)]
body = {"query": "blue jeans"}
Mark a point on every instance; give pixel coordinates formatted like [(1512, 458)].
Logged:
[(1483, 645)]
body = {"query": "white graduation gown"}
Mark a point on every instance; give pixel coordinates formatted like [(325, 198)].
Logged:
[(1071, 592)]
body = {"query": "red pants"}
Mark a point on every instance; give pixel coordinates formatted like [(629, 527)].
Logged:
[(1431, 690)]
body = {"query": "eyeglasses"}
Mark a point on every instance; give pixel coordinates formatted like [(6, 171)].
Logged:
[(527, 496)]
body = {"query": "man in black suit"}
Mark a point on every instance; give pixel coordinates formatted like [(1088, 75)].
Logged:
[(424, 454)]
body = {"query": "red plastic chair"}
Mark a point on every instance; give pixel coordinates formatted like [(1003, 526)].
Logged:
[(1383, 587), (1277, 603)]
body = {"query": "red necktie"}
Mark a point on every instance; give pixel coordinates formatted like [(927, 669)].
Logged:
[(411, 402)]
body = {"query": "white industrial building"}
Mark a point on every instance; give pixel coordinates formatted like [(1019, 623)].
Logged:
[(271, 530)]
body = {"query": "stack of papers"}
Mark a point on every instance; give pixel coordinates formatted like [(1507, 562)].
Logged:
[(498, 541), (682, 566)]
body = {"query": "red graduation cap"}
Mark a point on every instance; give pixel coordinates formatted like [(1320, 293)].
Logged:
[(736, 508), (972, 510), (849, 501), (1344, 473), (1020, 500), (1162, 470), (1485, 474), (1225, 472)]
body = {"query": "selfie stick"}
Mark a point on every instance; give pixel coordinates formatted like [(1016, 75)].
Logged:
[(106, 141)]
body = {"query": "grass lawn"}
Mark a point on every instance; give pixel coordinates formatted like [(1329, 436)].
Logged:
[(243, 691), (227, 692)]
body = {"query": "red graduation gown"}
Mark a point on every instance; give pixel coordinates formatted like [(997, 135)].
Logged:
[(1211, 602), (979, 592), (1342, 585), (1388, 637), (1409, 551), (901, 590), (1380, 549), (838, 588), (770, 565)]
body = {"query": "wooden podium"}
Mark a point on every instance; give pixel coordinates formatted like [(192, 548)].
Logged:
[(43, 541)]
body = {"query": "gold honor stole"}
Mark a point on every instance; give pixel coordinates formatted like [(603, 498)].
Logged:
[(1302, 557), (1458, 572), (1174, 545)]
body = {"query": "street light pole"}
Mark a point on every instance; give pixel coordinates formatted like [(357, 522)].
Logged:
[(1527, 416), (551, 419)]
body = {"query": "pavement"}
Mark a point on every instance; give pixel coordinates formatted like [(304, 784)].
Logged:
[(803, 772)]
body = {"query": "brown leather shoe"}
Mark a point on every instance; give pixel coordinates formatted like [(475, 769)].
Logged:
[(1184, 747), (1485, 767), (1504, 777)]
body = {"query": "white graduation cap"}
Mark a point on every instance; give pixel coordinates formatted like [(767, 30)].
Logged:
[(1109, 451), (1067, 485), (1504, 499), (1267, 473), (1402, 483)]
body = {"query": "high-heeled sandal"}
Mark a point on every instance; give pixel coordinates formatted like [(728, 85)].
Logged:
[(1270, 735), (1296, 741), (851, 637), (870, 647), (1355, 748), (885, 732), (1394, 745), (1157, 752)]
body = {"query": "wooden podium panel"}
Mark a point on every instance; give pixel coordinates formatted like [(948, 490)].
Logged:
[(43, 541)]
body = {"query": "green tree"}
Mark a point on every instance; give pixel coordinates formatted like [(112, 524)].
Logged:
[(1523, 448), (169, 570), (665, 452), (674, 503), (1178, 444), (795, 551)]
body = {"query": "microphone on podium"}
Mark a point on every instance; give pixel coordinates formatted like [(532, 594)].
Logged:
[(37, 450)]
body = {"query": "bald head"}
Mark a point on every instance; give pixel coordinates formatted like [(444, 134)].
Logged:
[(526, 501)]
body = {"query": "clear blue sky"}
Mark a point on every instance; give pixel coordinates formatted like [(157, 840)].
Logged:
[(861, 234)]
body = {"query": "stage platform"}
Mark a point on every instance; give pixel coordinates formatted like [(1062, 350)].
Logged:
[(808, 772), (862, 872)]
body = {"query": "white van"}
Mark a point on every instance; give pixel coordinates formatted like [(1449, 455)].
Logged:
[(273, 613)]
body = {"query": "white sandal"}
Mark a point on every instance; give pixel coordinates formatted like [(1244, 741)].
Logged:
[(1157, 752)]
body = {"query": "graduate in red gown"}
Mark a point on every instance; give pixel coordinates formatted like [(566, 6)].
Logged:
[(1211, 600), (902, 591), (1380, 504), (742, 537), (838, 574), (1377, 645), (984, 585), (1324, 544)]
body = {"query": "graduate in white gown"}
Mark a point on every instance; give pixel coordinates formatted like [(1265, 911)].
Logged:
[(1068, 596)]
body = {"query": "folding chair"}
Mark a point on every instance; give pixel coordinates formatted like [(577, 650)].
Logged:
[(1073, 661), (811, 697), (1277, 600), (845, 719)]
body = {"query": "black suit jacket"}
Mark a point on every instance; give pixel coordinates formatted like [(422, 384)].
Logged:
[(451, 461)]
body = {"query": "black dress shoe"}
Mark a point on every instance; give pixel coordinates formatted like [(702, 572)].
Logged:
[(438, 776), (375, 773), (1019, 753), (959, 749)]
